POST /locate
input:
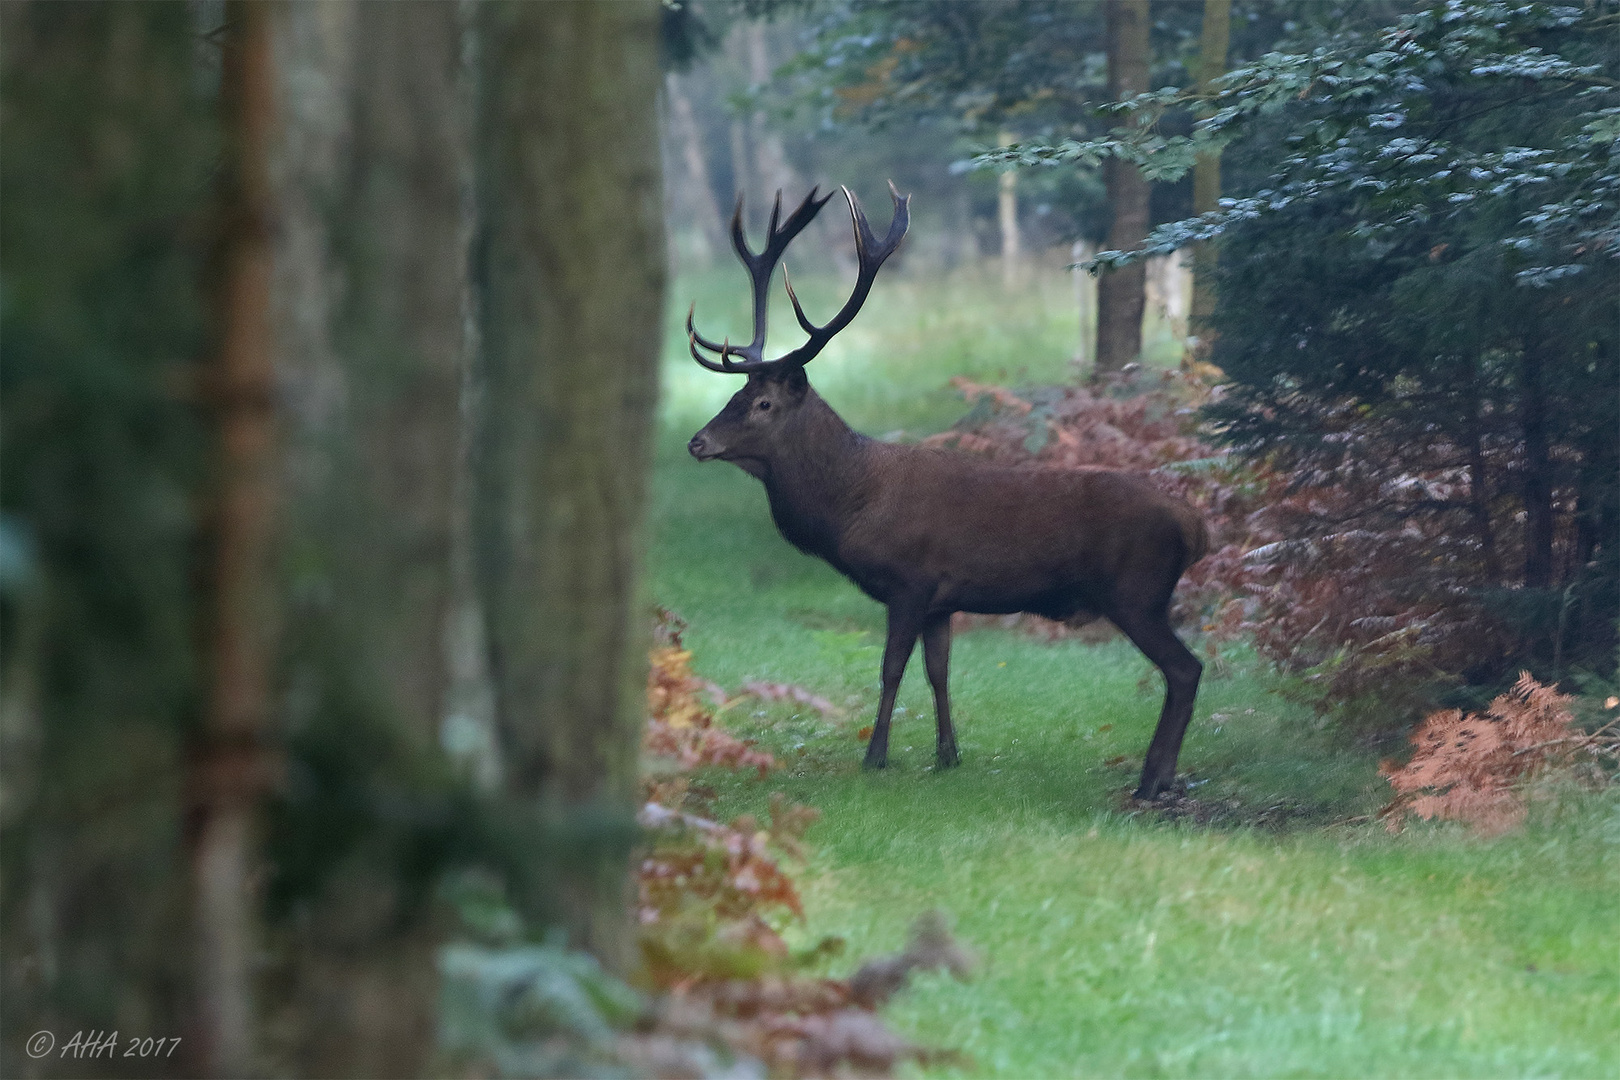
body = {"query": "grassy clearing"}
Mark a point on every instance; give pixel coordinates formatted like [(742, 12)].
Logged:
[(1278, 940)]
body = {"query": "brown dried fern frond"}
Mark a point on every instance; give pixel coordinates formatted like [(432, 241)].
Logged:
[(1472, 767)]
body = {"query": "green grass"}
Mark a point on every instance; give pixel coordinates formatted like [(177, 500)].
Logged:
[(1285, 938)]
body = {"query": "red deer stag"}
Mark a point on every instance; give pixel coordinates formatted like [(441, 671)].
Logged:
[(929, 532)]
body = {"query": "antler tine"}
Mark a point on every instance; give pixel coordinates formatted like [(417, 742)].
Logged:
[(692, 340), (692, 331), (776, 216), (871, 255), (760, 267)]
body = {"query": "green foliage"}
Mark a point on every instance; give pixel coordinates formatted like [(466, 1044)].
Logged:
[(1458, 105), (535, 1010), (972, 69), (1442, 392), (1453, 407)]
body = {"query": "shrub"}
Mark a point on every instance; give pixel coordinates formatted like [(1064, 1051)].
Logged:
[(1474, 768)]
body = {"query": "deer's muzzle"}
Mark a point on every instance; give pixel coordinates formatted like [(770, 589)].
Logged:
[(700, 448)]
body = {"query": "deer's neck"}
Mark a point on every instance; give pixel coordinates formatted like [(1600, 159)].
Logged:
[(818, 480)]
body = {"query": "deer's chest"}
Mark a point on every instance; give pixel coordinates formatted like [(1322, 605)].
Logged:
[(811, 532)]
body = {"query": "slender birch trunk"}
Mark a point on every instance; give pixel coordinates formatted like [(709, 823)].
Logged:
[(1007, 218)]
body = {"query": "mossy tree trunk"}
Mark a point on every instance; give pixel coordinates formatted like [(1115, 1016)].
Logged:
[(571, 272), (1120, 298), (373, 255)]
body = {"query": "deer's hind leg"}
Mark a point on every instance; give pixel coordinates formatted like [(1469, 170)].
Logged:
[(1150, 631), (936, 637)]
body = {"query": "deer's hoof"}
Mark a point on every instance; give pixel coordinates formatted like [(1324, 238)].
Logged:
[(947, 760), (874, 763), (1149, 790)]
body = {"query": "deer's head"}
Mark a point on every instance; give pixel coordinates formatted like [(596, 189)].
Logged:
[(755, 422)]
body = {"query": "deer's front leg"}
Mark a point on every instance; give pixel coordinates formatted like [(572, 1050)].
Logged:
[(905, 623)]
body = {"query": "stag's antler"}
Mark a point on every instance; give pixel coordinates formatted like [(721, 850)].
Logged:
[(868, 250), (760, 268)]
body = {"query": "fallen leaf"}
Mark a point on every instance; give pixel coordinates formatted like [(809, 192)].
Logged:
[(1105, 727), (1117, 759), (865, 732)]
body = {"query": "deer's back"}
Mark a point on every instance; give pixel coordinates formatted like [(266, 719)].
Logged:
[(988, 537)]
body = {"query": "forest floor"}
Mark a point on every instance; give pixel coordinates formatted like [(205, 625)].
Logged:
[(1270, 930)]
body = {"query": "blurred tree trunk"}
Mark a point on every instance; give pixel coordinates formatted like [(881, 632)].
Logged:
[(231, 770), (695, 190), (1085, 302), (1007, 217), (770, 156), (571, 270), (373, 290), (1120, 292), (1207, 169), (742, 163)]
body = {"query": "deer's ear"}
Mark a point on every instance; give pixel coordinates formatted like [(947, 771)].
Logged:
[(795, 380)]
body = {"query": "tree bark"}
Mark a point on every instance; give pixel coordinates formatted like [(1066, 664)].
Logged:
[(231, 771), (399, 336), (1120, 292), (373, 281), (571, 266), (1207, 168)]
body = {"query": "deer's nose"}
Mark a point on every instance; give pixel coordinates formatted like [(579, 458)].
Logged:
[(698, 447)]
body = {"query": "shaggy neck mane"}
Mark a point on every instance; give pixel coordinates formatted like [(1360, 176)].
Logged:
[(817, 478)]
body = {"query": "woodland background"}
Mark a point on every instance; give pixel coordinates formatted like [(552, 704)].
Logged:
[(342, 471)]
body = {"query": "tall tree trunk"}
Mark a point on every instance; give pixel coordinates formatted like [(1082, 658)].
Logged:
[(378, 161), (697, 193), (231, 770), (1085, 302), (1007, 218), (399, 336), (571, 266), (1207, 168), (1120, 292)]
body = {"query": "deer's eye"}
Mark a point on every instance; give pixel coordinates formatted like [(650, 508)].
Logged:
[(763, 405)]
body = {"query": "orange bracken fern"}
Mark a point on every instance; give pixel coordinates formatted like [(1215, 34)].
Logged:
[(1471, 767)]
